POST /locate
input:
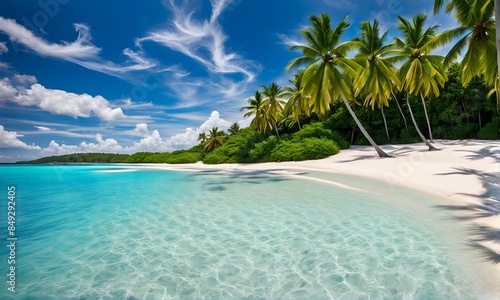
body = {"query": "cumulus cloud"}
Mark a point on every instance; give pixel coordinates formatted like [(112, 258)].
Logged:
[(57, 101), (149, 141), (141, 129), (63, 103), (3, 48), (190, 136), (81, 51), (102, 145), (7, 91), (9, 139), (201, 40)]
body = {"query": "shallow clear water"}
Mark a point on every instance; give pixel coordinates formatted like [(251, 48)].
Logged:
[(101, 231)]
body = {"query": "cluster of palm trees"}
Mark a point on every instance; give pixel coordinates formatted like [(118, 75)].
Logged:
[(326, 74), (216, 138)]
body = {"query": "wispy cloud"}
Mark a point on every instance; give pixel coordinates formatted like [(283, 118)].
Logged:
[(201, 40), (81, 51), (3, 48), (342, 4)]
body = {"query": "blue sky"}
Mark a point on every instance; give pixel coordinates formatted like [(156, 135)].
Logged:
[(127, 76)]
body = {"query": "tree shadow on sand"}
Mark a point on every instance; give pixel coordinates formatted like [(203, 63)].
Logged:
[(488, 151), (488, 206)]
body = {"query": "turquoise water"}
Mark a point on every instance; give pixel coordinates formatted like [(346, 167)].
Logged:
[(109, 232)]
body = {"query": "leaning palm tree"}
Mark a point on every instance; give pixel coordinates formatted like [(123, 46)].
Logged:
[(480, 33), (256, 108), (421, 74), (234, 128), (274, 102), (215, 139), (296, 106), (378, 74), (329, 72), (202, 137)]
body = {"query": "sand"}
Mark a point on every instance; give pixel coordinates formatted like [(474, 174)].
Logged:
[(466, 172)]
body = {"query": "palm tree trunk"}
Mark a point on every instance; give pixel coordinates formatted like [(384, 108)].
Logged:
[(352, 134), (276, 128), (497, 27), (427, 118), (380, 152), (385, 123), (465, 110), (431, 147), (298, 122), (400, 110)]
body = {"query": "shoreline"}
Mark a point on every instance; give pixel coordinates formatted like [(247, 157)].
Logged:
[(465, 172)]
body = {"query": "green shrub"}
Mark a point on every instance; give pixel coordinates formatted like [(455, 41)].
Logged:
[(157, 158), (183, 157), (362, 141), (463, 131), (308, 148), (317, 130), (489, 131), (262, 151), (215, 157), (339, 140), (137, 157), (236, 149), (409, 135)]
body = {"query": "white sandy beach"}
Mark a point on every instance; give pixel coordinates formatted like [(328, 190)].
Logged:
[(466, 172)]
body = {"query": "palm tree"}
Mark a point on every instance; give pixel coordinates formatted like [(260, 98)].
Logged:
[(215, 139), (476, 32), (329, 72), (256, 108), (234, 129), (297, 102), (378, 74), (421, 74), (274, 103), (480, 33), (202, 137)]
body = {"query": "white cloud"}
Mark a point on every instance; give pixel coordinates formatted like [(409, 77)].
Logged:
[(56, 149), (7, 91), (3, 48), (81, 51), (345, 5), (82, 48), (9, 139), (288, 41), (57, 101), (150, 140), (42, 128), (102, 145), (64, 103), (202, 40), (141, 129), (190, 136), (24, 79)]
